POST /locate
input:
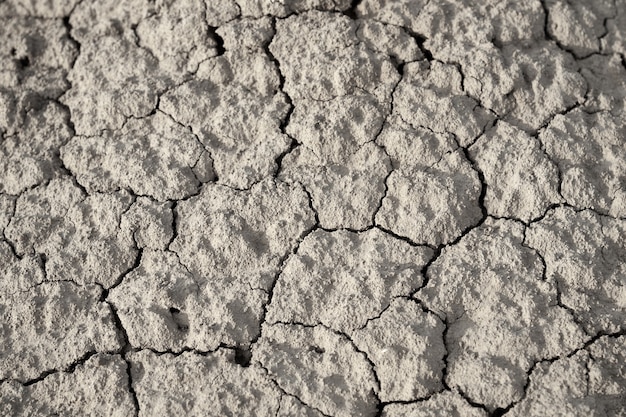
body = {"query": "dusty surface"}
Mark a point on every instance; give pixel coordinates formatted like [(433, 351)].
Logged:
[(317, 208)]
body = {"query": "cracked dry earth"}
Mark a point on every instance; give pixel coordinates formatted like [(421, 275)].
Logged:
[(313, 208)]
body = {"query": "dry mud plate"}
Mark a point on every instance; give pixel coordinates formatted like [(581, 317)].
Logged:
[(317, 208)]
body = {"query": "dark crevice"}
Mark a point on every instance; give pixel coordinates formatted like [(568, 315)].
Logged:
[(498, 412), (23, 62), (9, 242), (380, 314), (544, 264), (368, 360), (439, 250), (511, 219), (548, 210), (43, 259), (243, 356), (382, 197), (351, 11), (175, 224), (180, 319), (11, 245), (445, 358), (312, 207), (559, 173), (281, 76), (472, 402), (63, 168), (125, 349), (485, 215), (459, 68), (553, 207), (347, 229), (290, 105), (481, 178), (318, 350), (219, 48), (70, 368), (571, 311), (287, 118), (285, 393), (549, 36), (426, 267), (121, 330), (138, 44), (183, 350), (421, 40), (399, 67), (122, 333), (279, 159), (605, 26), (134, 266), (282, 264), (270, 296), (503, 411), (68, 28), (423, 307), (568, 109), (131, 388), (376, 136), (400, 237), (156, 106), (349, 339), (202, 146)]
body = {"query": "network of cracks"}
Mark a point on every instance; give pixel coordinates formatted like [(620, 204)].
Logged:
[(313, 208)]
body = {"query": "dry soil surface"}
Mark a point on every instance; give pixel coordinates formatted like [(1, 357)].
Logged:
[(313, 208)]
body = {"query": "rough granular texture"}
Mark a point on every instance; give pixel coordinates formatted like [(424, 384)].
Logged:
[(319, 208)]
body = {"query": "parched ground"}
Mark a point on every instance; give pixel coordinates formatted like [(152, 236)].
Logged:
[(313, 208)]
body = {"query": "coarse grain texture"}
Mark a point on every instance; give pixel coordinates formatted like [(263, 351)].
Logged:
[(320, 208), (501, 316), (98, 387), (343, 279)]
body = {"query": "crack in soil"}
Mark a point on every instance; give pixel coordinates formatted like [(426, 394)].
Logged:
[(330, 36)]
